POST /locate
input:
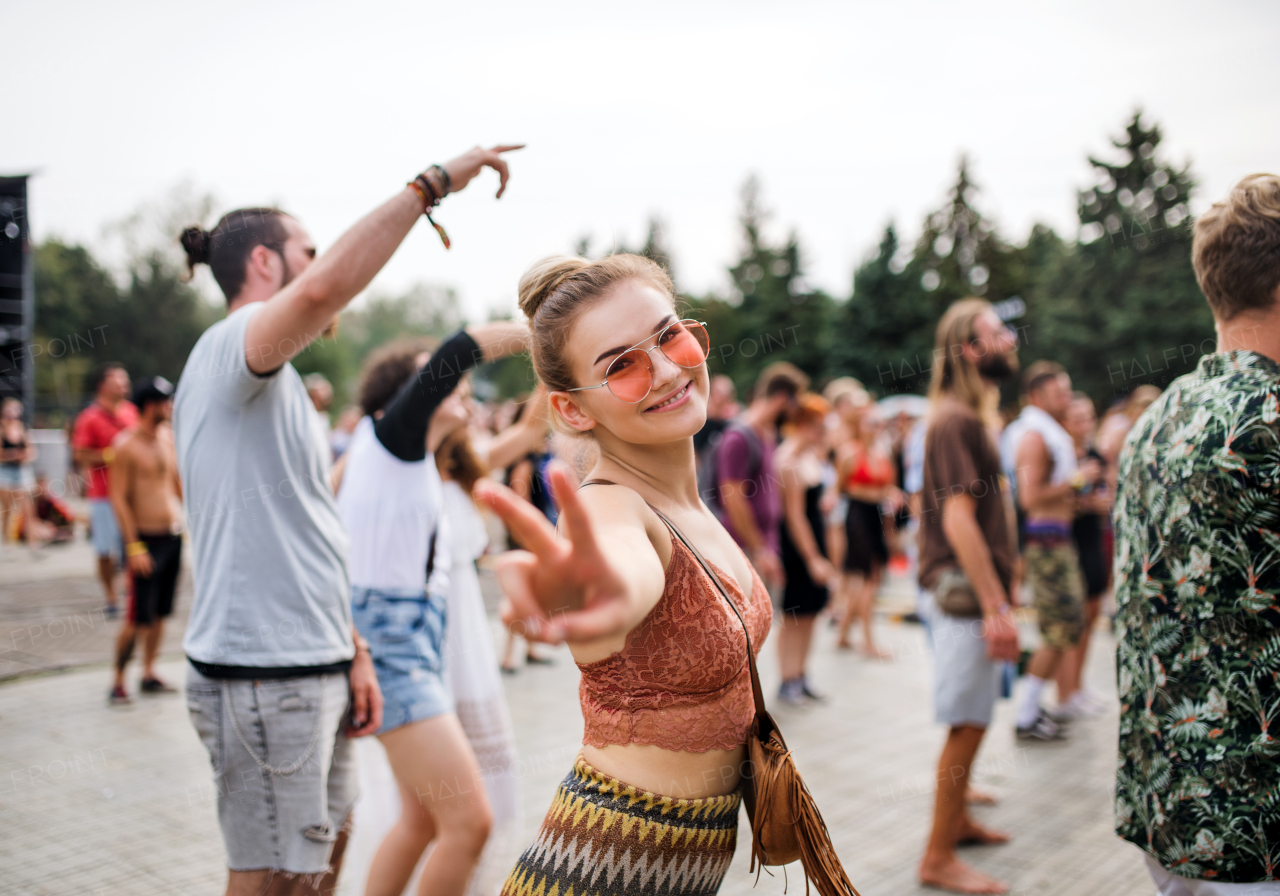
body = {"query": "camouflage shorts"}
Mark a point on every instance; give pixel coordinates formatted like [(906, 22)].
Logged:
[(1053, 571)]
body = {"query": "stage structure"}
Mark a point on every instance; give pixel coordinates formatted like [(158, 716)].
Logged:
[(17, 295)]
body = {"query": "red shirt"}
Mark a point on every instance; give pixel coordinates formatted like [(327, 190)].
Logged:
[(96, 428)]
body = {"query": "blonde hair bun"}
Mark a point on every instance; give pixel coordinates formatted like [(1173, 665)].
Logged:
[(541, 280)]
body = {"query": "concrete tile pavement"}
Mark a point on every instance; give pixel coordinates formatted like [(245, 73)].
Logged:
[(100, 801)]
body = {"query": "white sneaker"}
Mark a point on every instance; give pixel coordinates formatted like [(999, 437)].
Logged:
[(1065, 712), (1089, 703)]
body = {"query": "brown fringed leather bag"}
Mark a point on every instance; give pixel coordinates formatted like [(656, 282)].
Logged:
[(785, 822)]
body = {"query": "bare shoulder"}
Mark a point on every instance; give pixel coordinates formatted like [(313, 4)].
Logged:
[(128, 448), (619, 510)]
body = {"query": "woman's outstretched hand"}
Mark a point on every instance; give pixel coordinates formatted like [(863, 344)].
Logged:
[(469, 164), (561, 588)]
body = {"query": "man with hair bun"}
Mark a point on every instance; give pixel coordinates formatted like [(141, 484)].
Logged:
[(280, 680), (1197, 571)]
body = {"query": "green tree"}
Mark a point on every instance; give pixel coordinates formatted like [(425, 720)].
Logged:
[(889, 322), (779, 316), (84, 318), (1126, 309)]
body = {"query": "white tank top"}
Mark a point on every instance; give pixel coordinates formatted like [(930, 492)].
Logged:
[(391, 507)]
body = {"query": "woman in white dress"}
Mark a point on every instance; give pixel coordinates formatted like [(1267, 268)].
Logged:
[(471, 665)]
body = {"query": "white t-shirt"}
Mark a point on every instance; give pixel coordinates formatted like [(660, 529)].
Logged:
[(390, 508)]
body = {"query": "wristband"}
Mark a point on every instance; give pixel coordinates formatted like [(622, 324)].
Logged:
[(135, 549), (361, 644), (445, 180), (427, 193)]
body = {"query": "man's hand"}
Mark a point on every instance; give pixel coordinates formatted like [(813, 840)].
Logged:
[(366, 697), (468, 165), (1001, 635), (1090, 469), (141, 564)]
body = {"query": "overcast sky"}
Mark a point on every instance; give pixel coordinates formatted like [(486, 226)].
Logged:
[(851, 114)]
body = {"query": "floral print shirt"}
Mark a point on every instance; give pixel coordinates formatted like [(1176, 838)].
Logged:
[(1197, 573)]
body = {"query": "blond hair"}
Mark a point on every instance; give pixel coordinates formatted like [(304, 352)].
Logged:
[(954, 376), (846, 387), (558, 288), (1235, 248)]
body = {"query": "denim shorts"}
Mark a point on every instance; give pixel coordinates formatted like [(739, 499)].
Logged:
[(405, 631), (16, 477), (107, 541), (284, 773)]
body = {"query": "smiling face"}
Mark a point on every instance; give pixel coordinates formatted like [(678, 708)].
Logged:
[(676, 406)]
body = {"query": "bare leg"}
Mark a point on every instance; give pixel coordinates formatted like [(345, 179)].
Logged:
[(794, 638), (152, 636), (849, 603), (867, 611), (6, 505), (107, 576), (1071, 669), (125, 641), (443, 799), (327, 885), (248, 883), (941, 867), (509, 652)]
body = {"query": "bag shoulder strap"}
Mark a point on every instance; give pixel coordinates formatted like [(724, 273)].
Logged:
[(756, 691)]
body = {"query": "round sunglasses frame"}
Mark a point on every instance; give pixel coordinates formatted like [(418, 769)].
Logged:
[(656, 345)]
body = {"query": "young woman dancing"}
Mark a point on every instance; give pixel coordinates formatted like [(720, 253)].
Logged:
[(665, 688), (390, 499)]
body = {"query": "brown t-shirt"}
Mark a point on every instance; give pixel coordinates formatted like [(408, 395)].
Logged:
[(959, 457)]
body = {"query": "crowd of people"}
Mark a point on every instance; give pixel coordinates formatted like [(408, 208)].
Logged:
[(336, 592)]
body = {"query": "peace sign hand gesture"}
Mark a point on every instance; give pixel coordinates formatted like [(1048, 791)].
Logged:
[(570, 588), (469, 164)]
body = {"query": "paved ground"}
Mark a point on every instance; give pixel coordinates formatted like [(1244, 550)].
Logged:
[(103, 802), (52, 611)]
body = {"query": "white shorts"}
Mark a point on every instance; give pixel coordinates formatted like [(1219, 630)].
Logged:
[(966, 682)]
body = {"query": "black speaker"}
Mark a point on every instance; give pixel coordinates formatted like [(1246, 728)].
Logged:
[(17, 295)]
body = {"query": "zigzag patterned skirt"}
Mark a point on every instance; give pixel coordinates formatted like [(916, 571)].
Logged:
[(605, 838)]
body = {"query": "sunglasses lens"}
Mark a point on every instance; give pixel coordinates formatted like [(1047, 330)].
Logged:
[(630, 376), (686, 343)]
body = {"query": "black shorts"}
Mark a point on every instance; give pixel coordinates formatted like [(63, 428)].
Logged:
[(151, 597), (1090, 541)]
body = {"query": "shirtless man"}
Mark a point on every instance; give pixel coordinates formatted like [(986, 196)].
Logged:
[(1048, 483), (146, 495)]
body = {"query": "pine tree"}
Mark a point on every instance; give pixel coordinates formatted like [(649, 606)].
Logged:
[(779, 318), (890, 319), (1126, 310)]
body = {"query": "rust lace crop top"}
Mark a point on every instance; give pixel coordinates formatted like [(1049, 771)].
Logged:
[(681, 682)]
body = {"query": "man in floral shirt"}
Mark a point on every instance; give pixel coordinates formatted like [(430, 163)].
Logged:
[(1197, 575)]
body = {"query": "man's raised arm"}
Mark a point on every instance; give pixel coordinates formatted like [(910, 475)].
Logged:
[(301, 311)]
